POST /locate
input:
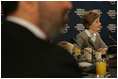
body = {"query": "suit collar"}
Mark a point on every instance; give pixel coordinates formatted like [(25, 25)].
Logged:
[(89, 35), (92, 43), (32, 28)]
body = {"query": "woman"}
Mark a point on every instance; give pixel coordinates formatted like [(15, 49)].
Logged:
[(90, 38)]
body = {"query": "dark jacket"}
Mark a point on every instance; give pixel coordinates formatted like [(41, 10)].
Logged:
[(24, 55)]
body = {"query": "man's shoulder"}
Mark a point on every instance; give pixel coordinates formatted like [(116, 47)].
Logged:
[(13, 29), (56, 48), (8, 23), (8, 26)]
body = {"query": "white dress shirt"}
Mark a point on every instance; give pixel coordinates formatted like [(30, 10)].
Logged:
[(94, 36), (32, 28), (89, 35)]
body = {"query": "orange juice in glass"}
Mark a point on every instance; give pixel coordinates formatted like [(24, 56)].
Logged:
[(77, 51), (101, 68)]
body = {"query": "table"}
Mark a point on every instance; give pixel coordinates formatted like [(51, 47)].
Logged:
[(112, 70)]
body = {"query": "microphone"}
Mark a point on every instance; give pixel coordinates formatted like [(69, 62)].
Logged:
[(112, 39), (73, 40)]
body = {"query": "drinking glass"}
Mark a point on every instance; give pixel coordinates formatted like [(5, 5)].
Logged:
[(77, 51), (77, 54), (101, 68)]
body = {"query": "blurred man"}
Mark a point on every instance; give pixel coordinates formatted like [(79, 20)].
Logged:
[(25, 49)]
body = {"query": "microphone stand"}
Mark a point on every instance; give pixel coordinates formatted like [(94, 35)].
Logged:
[(112, 39), (79, 45)]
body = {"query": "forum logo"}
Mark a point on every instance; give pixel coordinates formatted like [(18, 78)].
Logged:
[(66, 28), (80, 12), (80, 27), (97, 11), (112, 13), (112, 27)]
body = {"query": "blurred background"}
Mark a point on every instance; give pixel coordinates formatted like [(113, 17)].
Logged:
[(108, 11)]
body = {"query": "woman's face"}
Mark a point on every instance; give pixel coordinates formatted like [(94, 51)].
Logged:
[(95, 26)]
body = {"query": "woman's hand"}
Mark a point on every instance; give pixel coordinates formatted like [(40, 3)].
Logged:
[(101, 50)]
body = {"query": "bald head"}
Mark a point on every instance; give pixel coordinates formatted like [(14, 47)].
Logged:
[(49, 16)]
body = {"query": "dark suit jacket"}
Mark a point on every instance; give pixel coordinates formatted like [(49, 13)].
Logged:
[(24, 55)]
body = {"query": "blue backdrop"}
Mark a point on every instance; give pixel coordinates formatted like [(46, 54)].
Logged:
[(108, 11)]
